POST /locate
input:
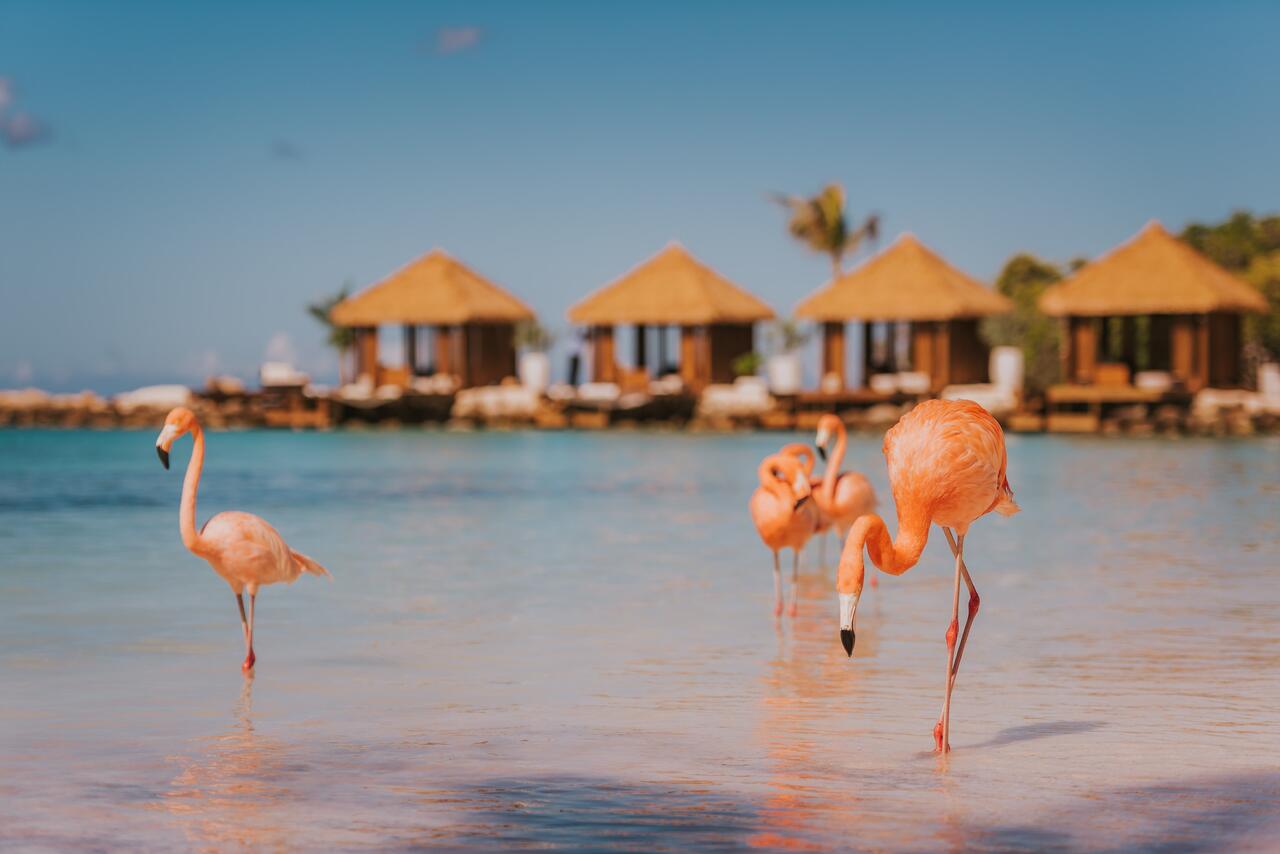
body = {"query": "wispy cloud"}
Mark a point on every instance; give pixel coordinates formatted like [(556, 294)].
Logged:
[(23, 129), (280, 349), (283, 149), (19, 129), (450, 40)]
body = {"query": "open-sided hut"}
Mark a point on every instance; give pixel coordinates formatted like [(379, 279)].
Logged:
[(715, 318), (1158, 292), (908, 282), (470, 321)]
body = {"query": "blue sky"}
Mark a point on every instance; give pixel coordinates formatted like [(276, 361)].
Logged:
[(187, 176)]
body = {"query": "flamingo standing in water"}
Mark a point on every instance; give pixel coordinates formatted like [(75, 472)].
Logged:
[(784, 517), (241, 547), (947, 466), (842, 496)]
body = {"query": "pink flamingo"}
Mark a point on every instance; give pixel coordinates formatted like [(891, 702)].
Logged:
[(843, 496), (947, 466), (784, 517), (807, 459), (240, 547)]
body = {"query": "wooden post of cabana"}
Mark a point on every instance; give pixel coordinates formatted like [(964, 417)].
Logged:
[(1192, 310), (715, 317), (472, 321), (908, 282)]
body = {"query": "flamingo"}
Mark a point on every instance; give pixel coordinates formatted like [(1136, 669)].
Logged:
[(807, 459), (947, 464), (242, 548), (784, 517), (843, 496)]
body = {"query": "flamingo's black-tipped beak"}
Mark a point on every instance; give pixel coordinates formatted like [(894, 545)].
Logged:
[(163, 455), (846, 640), (800, 502), (822, 452)]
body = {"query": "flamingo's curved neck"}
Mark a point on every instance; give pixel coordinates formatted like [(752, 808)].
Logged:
[(894, 556), (771, 484), (831, 473), (190, 485)]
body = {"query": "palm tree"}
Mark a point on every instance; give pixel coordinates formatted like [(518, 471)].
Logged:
[(340, 338), (822, 224)]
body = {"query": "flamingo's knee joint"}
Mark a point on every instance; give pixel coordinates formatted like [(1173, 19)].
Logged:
[(974, 602), (952, 631)]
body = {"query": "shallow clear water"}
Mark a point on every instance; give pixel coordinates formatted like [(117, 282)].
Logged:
[(566, 640)]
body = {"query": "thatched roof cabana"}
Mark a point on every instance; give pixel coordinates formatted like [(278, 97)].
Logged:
[(471, 319), (673, 288), (1154, 273), (908, 282), (1193, 305)]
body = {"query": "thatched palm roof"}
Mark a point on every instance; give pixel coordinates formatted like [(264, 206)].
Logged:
[(1154, 273), (436, 289), (907, 281), (671, 288)]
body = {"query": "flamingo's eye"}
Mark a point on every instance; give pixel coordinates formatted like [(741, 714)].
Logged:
[(777, 474)]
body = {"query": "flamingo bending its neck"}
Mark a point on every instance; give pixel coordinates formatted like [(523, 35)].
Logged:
[(784, 517), (241, 547), (947, 462), (841, 496)]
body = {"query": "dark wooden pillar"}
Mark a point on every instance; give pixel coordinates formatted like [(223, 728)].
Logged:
[(1130, 335), (891, 346), (641, 334), (1224, 350), (444, 350), (1182, 349), (411, 350), (833, 351), (367, 353), (868, 353), (691, 368), (1158, 343), (603, 362), (662, 350), (1202, 352), (1084, 349), (924, 349), (942, 377)]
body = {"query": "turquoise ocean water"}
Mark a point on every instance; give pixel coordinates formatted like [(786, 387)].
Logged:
[(566, 640)]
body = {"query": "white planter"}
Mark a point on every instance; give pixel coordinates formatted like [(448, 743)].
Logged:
[(784, 372), (1006, 368), (535, 371)]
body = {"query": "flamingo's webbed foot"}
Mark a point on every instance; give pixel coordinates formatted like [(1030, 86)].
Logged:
[(249, 661)]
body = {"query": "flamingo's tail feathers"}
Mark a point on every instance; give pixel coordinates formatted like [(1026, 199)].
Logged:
[(306, 564), (1005, 505)]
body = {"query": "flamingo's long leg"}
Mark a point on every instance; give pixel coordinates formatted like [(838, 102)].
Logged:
[(777, 586), (795, 581), (974, 602), (244, 621), (942, 732), (250, 658)]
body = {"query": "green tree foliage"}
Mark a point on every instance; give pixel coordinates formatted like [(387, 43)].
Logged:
[(1023, 279), (1249, 246), (340, 338), (822, 224), (1263, 330)]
